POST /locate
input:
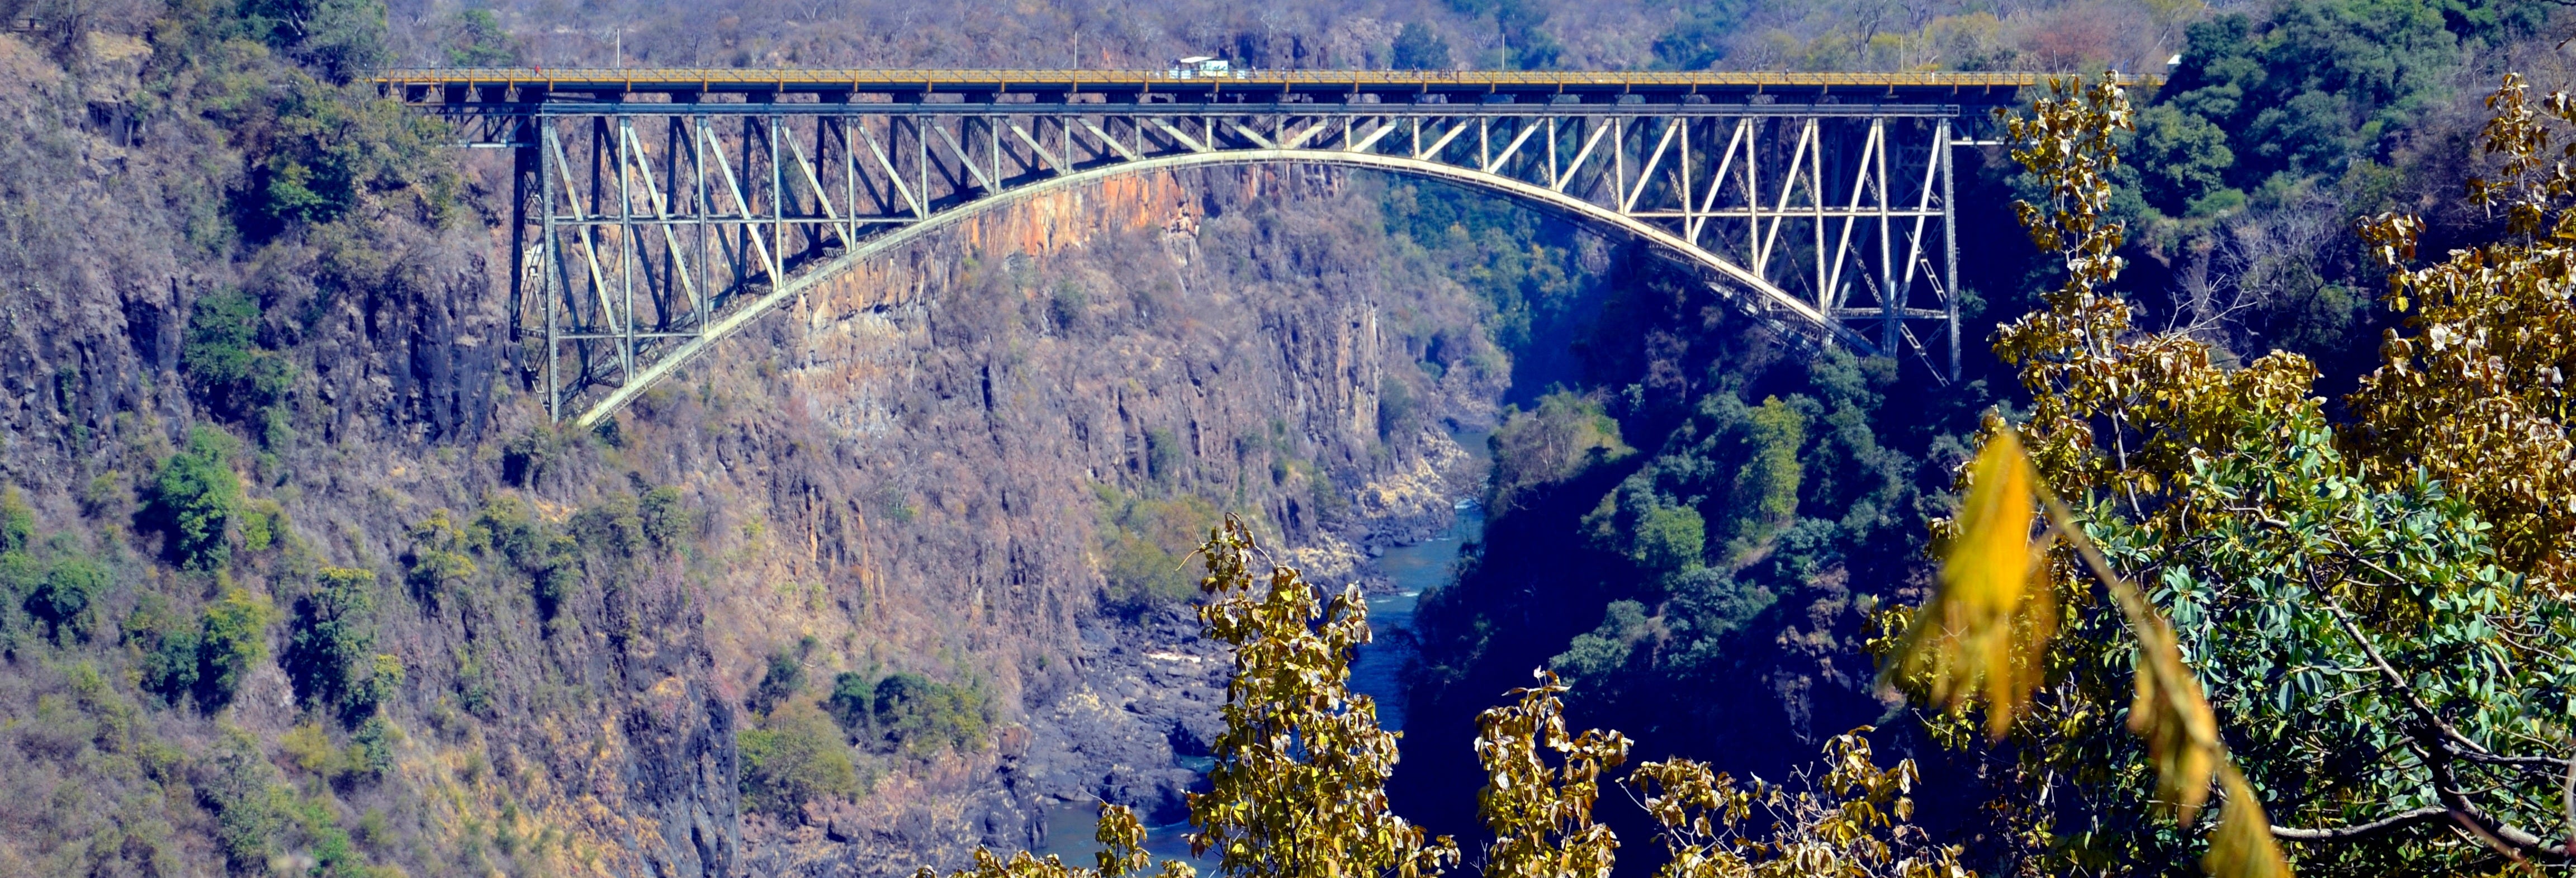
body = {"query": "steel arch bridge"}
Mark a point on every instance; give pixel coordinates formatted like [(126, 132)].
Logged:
[(659, 211)]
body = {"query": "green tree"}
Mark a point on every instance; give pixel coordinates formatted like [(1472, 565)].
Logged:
[(480, 42), (1418, 48), (330, 656), (226, 365), (341, 38), (17, 522), (69, 593), (2380, 676), (853, 703), (925, 717), (1765, 493), (195, 497), (232, 640), (796, 756)]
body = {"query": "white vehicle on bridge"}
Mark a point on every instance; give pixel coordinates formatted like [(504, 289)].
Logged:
[(1204, 67)]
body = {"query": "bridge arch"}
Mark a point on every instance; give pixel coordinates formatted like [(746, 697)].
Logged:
[(1821, 202), (743, 313)]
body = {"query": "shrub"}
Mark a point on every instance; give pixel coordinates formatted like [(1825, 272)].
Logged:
[(614, 528), (237, 783), (331, 655), (853, 703), (195, 498), (546, 556), (71, 586), (437, 557), (232, 638), (1144, 544), (784, 676), (168, 642), (923, 716), (17, 522), (794, 758), (667, 523), (227, 368)]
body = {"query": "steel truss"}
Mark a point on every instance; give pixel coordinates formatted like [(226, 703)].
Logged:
[(660, 228)]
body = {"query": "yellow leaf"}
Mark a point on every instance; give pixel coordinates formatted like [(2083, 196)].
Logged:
[(1981, 633), (2243, 846), (1990, 558), (2180, 728)]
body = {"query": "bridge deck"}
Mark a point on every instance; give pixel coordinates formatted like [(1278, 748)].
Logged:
[(517, 89)]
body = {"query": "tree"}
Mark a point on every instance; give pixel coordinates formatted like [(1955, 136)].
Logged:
[(2377, 673), (795, 757), (1299, 785), (1418, 48), (480, 41), (232, 638), (226, 365), (2478, 397), (331, 656), (194, 499), (1541, 814), (1854, 820)]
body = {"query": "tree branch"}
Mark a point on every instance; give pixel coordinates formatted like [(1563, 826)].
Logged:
[(2381, 826)]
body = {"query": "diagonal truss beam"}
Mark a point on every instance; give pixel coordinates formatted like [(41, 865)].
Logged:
[(1787, 214)]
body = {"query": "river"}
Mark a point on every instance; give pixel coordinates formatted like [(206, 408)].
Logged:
[(1377, 671)]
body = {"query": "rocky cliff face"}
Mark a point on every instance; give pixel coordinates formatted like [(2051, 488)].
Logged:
[(929, 438), (910, 472)]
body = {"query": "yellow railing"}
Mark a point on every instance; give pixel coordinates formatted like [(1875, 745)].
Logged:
[(668, 78)]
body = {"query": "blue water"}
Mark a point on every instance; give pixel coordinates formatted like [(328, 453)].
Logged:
[(1377, 671)]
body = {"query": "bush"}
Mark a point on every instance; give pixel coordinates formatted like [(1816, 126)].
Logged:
[(195, 498), (17, 522), (1144, 547), (614, 528), (667, 523), (795, 758), (923, 716), (232, 639), (227, 367), (784, 676), (237, 783), (331, 655), (853, 703), (168, 642), (71, 586), (549, 559), (437, 558)]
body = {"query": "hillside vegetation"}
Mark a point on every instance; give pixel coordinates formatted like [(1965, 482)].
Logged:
[(295, 577)]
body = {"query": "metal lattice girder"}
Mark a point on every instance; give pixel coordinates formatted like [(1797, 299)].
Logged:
[(663, 226)]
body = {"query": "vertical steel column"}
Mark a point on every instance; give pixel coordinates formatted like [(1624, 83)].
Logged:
[(525, 157), (1816, 204), (849, 180), (1889, 296), (626, 253), (777, 207), (701, 209), (1551, 150), (555, 286), (1690, 229), (1619, 162), (1949, 247)]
